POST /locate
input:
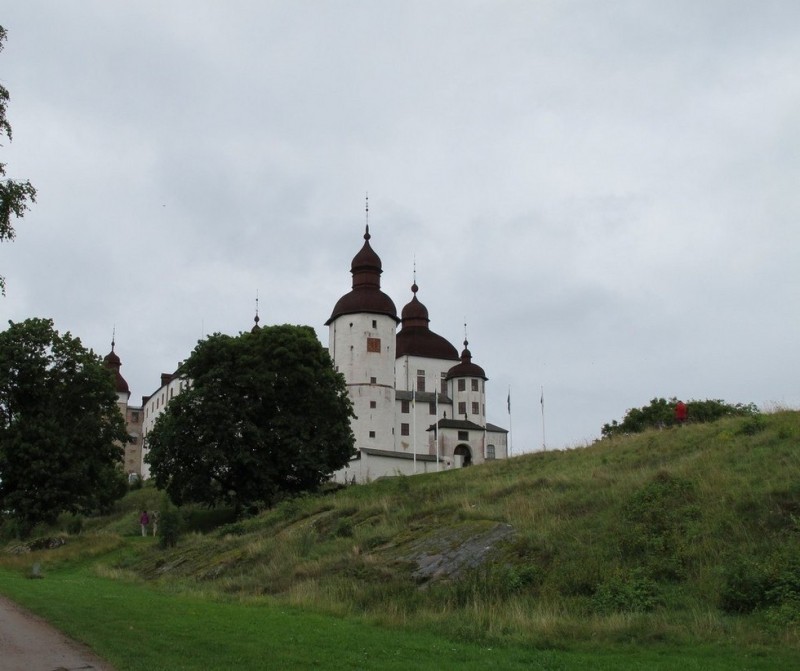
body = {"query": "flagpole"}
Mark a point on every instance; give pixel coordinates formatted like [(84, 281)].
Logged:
[(436, 431), (541, 401), (509, 422), (414, 426)]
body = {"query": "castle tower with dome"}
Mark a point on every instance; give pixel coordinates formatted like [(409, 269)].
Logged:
[(419, 406)]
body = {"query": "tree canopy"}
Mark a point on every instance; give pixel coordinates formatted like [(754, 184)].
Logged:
[(264, 414), (661, 413), (60, 428), (14, 195)]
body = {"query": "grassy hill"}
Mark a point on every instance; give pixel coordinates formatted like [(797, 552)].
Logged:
[(687, 536)]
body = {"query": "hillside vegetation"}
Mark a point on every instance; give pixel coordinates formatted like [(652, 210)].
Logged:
[(683, 536)]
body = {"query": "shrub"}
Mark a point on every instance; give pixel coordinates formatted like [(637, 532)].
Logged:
[(633, 592), (170, 526)]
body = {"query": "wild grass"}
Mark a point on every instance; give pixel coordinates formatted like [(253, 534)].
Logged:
[(683, 537)]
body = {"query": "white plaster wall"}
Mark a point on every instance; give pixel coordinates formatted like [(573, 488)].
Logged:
[(369, 375)]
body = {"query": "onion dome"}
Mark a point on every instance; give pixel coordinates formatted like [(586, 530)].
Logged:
[(416, 339), (366, 295), (112, 362), (466, 368)]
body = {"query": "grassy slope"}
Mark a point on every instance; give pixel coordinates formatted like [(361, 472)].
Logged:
[(629, 542)]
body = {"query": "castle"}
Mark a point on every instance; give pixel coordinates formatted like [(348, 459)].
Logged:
[(419, 405)]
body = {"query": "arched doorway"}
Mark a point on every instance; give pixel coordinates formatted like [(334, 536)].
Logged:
[(464, 452)]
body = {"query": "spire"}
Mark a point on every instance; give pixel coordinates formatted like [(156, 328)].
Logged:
[(113, 336), (256, 319), (367, 236)]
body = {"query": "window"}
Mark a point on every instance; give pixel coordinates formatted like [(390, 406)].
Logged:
[(404, 429), (462, 384), (462, 408), (463, 435), (490, 451), (432, 408), (444, 384), (476, 408), (374, 323), (134, 416), (374, 345), (373, 380), (475, 385), (420, 380), (404, 406), (371, 434), (373, 404)]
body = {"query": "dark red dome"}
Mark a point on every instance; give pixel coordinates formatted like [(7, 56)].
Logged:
[(466, 368), (416, 339), (366, 295), (112, 362)]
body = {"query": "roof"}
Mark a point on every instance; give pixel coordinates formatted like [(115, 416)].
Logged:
[(466, 368), (391, 454), (366, 295), (112, 362), (415, 337)]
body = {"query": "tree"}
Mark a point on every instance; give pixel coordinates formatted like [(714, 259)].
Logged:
[(661, 413), (14, 195), (60, 427), (265, 414)]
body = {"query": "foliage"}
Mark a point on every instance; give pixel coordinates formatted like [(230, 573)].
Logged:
[(14, 195), (657, 526), (60, 427), (264, 415), (772, 584), (661, 414), (170, 526)]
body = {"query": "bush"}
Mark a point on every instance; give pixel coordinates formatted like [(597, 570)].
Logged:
[(170, 526), (633, 593)]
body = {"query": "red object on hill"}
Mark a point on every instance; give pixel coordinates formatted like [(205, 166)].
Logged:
[(680, 412)]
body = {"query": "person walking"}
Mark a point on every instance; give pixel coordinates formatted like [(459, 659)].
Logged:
[(144, 520), (680, 413)]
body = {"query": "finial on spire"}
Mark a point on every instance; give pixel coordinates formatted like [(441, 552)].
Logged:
[(113, 337), (466, 342), (257, 319), (414, 287)]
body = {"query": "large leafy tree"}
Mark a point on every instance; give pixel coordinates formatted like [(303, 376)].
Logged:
[(661, 413), (14, 195), (60, 427), (265, 414)]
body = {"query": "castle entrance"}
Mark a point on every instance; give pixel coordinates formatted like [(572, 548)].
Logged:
[(464, 452)]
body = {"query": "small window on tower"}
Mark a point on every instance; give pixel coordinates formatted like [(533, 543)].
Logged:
[(373, 380), (462, 408), (420, 380), (475, 385), (432, 408), (371, 434), (404, 407), (373, 404), (404, 429), (374, 323), (373, 345), (444, 384), (476, 408), (462, 384)]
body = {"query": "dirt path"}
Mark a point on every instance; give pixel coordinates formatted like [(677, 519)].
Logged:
[(28, 643)]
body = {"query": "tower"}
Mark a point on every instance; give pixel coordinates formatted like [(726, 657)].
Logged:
[(362, 345)]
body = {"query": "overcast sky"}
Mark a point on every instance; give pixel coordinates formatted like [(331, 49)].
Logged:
[(607, 193)]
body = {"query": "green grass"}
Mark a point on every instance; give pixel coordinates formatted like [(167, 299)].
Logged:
[(138, 628), (676, 548)]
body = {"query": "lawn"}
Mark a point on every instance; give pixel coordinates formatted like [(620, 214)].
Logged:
[(138, 628)]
